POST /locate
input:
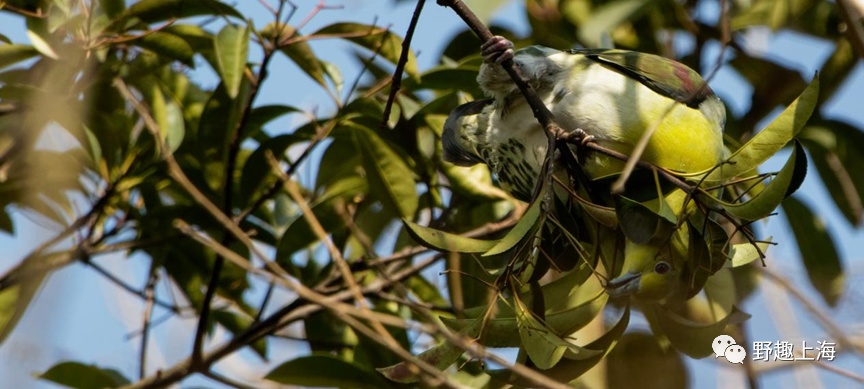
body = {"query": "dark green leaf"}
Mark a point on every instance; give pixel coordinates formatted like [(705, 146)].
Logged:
[(648, 365), (837, 151), (159, 10), (688, 336), (817, 248), (390, 179), (168, 45), (326, 371)]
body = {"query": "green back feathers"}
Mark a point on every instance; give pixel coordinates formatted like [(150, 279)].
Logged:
[(664, 76)]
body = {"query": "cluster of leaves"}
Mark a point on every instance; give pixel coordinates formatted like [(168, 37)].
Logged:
[(194, 178)]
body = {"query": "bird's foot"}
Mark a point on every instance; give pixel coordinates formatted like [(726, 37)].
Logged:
[(497, 50), (578, 135)]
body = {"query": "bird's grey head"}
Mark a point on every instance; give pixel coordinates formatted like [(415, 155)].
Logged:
[(460, 131)]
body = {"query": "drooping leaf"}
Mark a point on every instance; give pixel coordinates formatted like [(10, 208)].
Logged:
[(837, 150), (782, 186), (688, 336), (527, 223), (232, 50), (569, 369), (817, 248), (379, 40), (80, 376), (772, 138), (446, 241)]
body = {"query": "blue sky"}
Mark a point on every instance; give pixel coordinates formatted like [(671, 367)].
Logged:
[(61, 325)]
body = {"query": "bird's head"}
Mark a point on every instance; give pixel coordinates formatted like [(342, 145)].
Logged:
[(460, 131)]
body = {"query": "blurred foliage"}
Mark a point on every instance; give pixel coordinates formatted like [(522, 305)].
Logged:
[(152, 149)]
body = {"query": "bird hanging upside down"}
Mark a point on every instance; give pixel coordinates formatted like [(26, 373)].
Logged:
[(614, 96)]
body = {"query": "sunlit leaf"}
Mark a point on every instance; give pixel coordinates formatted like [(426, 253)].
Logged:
[(168, 45), (783, 185), (772, 138), (11, 54), (232, 49), (527, 223), (80, 376), (446, 241)]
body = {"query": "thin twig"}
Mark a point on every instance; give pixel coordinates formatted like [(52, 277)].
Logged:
[(403, 59)]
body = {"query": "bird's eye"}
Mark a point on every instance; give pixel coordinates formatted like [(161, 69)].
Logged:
[(662, 267)]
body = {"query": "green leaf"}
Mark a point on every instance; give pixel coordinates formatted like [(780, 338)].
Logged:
[(169, 116), (232, 49), (771, 139), (257, 174), (378, 40), (390, 180), (167, 45), (523, 228), (10, 54), (160, 10), (15, 299), (569, 369), (445, 78), (446, 241), (745, 253), (607, 17), (41, 45), (782, 186), (325, 371), (648, 365), (837, 150), (818, 251), (543, 347), (80, 376), (112, 7), (688, 336), (301, 53)]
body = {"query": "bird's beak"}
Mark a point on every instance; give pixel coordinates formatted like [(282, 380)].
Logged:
[(625, 285)]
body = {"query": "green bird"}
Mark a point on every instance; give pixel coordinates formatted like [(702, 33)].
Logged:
[(614, 96)]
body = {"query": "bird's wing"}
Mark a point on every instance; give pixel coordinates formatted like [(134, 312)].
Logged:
[(665, 76)]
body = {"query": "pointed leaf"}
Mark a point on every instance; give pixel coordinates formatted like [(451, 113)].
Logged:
[(446, 241), (523, 228), (772, 138), (232, 49), (390, 179), (11, 54), (80, 376), (782, 186)]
